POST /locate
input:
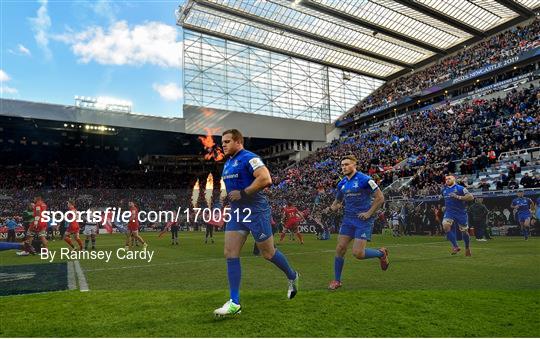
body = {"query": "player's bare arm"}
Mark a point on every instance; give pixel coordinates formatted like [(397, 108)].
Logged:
[(466, 197), (336, 205), (262, 180)]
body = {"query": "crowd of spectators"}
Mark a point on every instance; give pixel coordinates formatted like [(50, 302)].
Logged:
[(425, 145), (491, 50), (61, 176), (95, 187), (14, 201)]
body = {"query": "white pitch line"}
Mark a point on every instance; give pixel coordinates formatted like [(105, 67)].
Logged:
[(190, 262), (473, 248), (83, 285), (71, 276), (244, 257)]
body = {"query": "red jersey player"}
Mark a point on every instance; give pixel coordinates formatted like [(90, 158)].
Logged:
[(38, 227), (73, 228), (291, 218), (133, 226)]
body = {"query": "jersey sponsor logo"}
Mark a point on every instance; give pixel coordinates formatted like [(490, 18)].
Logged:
[(363, 235), (235, 163), (372, 184), (355, 185), (256, 163), (262, 236), (230, 176)]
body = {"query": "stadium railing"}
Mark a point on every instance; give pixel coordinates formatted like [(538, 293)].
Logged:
[(398, 184), (477, 193), (533, 152)]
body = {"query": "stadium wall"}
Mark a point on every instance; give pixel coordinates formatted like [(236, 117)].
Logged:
[(333, 134), (36, 110), (259, 126)]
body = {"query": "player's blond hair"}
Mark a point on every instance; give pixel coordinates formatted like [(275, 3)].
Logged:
[(350, 157)]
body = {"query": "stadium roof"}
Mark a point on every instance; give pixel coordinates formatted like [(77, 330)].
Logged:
[(378, 38)]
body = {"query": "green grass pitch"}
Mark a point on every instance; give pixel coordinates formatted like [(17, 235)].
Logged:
[(425, 292)]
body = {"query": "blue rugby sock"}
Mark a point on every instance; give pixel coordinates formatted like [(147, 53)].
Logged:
[(338, 267), (451, 236), (4, 246), (281, 261), (372, 253), (234, 272), (466, 238), (526, 233)]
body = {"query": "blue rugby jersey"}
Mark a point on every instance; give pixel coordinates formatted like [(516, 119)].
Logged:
[(356, 193), (238, 174), (523, 204), (453, 205)]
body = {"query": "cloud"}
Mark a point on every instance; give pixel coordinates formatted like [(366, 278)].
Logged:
[(150, 43), (169, 92), (40, 25), (105, 9), (23, 50), (4, 76), (5, 89)]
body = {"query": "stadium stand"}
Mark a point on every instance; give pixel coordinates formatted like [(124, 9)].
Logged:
[(509, 43), (469, 130)]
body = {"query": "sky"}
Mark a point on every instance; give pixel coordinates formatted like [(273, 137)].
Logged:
[(52, 51)]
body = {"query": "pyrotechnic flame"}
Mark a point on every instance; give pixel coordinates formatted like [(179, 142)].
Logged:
[(213, 151)]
